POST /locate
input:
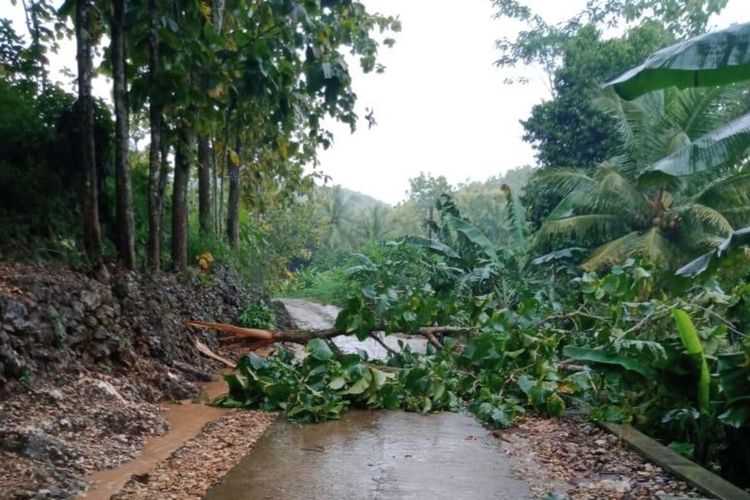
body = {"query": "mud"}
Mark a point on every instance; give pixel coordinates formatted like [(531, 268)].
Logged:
[(186, 419)]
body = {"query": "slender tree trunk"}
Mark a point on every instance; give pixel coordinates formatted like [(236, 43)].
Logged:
[(204, 185), (92, 234), (153, 254), (179, 200), (233, 205), (215, 184), (123, 189), (163, 178)]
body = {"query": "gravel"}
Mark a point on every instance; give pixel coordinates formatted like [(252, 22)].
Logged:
[(572, 458), (201, 462)]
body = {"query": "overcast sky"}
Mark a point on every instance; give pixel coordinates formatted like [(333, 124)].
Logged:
[(441, 106)]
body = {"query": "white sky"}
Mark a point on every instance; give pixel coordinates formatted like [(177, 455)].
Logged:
[(441, 105)]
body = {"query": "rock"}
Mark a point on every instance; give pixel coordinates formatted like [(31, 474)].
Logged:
[(100, 350), (102, 333), (90, 321), (15, 314), (91, 299), (108, 390), (13, 364)]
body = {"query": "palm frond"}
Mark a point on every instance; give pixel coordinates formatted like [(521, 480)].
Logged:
[(563, 181), (611, 252), (582, 227), (725, 191), (655, 246), (708, 216)]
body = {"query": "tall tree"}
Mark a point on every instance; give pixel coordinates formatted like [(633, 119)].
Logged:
[(124, 222), (84, 41), (155, 195), (205, 217), (180, 197)]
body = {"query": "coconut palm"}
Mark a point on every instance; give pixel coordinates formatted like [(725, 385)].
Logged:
[(337, 217), (626, 208)]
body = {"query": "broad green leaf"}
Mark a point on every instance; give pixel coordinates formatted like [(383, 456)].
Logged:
[(474, 235), (597, 356), (337, 383), (708, 60), (318, 349), (691, 341)]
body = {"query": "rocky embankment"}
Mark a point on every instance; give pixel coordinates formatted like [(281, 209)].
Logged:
[(83, 362)]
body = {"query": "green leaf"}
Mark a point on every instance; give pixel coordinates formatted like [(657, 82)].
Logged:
[(474, 235), (318, 349), (691, 341), (708, 60), (597, 356), (337, 383), (555, 405)]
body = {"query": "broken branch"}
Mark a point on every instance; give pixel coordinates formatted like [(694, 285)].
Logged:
[(246, 335)]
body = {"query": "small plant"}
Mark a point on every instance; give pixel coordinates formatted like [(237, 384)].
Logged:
[(26, 378), (256, 315)]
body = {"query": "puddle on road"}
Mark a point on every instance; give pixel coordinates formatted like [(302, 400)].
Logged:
[(375, 455)]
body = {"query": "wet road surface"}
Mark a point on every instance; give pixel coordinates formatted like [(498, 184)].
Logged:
[(375, 455), (372, 455)]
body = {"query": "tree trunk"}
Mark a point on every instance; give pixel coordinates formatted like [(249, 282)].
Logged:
[(237, 335), (163, 177), (124, 223), (233, 204), (92, 234), (204, 185), (215, 184), (179, 200), (153, 254)]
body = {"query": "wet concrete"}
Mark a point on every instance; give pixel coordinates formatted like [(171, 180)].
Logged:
[(372, 455), (311, 316), (375, 455)]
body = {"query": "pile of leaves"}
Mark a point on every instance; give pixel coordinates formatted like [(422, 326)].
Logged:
[(323, 385)]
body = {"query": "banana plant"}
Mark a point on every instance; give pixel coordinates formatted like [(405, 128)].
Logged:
[(714, 59)]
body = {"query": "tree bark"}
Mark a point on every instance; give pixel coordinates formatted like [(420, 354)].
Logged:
[(163, 176), (204, 186), (233, 204), (179, 200), (238, 334), (215, 196), (92, 234), (153, 254), (124, 220)]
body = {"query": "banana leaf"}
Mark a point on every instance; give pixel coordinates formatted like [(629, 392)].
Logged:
[(717, 58), (433, 245), (694, 348), (714, 257), (723, 146), (607, 358), (474, 235)]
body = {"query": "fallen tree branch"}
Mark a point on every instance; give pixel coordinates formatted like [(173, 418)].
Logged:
[(433, 340), (241, 335), (203, 349), (380, 341)]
